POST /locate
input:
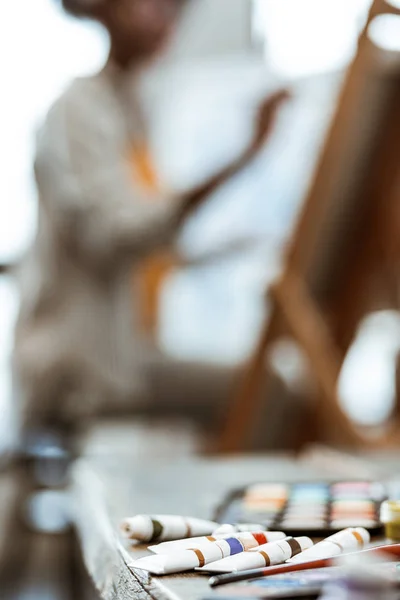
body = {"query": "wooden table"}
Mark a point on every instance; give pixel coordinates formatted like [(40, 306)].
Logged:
[(109, 488), (154, 468), (191, 487)]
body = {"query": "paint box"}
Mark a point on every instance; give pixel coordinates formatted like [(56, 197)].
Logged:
[(307, 508)]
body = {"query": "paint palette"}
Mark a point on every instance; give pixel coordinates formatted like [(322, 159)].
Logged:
[(306, 508)]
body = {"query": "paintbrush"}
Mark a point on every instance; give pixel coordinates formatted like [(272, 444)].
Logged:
[(378, 551)]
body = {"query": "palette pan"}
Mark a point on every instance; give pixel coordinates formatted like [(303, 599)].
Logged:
[(308, 508)]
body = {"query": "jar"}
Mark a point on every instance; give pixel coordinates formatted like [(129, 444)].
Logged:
[(390, 517)]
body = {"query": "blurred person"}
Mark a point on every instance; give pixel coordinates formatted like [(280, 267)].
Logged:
[(78, 345)]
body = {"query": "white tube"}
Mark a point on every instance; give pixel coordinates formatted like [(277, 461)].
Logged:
[(274, 553), (186, 560), (238, 527), (149, 528), (177, 545), (347, 540)]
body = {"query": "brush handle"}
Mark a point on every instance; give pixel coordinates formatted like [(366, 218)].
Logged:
[(392, 549), (256, 573)]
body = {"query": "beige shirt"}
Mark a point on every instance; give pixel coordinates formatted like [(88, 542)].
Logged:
[(77, 327)]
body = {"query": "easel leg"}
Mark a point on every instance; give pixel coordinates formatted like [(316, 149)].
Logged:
[(308, 328), (296, 313), (247, 399)]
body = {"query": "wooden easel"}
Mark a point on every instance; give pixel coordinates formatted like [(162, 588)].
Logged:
[(346, 238)]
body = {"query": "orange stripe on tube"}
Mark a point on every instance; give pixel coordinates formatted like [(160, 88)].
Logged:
[(265, 557), (261, 538), (200, 556), (358, 538)]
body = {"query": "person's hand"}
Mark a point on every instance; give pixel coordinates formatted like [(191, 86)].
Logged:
[(266, 118)]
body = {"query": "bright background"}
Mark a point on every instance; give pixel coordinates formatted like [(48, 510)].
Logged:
[(218, 81)]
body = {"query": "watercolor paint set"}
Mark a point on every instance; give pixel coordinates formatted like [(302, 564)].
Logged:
[(310, 508)]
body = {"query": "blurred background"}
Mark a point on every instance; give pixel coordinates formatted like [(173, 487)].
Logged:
[(249, 48), (227, 55)]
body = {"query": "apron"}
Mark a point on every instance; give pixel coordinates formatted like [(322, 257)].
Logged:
[(152, 273)]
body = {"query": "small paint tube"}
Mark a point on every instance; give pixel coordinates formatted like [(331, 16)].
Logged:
[(152, 528), (238, 527), (274, 553), (177, 545), (347, 540), (186, 560)]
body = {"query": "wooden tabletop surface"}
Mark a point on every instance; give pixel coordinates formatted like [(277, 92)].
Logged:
[(107, 490), (109, 487)]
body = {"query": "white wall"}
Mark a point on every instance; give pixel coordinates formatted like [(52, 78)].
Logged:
[(214, 28), (55, 49), (312, 36)]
